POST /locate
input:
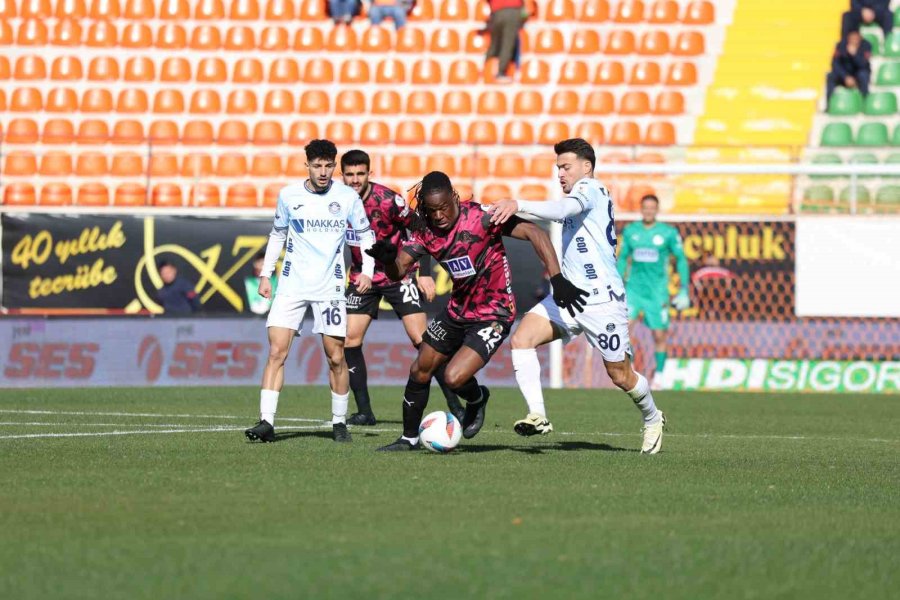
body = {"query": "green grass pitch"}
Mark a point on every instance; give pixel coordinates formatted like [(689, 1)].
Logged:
[(754, 496)]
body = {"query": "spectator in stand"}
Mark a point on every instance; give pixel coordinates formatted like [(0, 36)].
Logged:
[(396, 10), (343, 11), (177, 295), (507, 18), (850, 65), (866, 12)]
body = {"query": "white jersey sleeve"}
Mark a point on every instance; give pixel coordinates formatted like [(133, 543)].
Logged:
[(359, 221)]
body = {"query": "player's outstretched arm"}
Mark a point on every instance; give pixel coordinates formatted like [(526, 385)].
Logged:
[(503, 211)]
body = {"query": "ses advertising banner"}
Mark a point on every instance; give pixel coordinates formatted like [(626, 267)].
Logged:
[(97, 262)]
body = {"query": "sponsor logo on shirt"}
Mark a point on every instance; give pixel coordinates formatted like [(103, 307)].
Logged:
[(351, 238), (338, 272), (318, 225), (459, 268), (436, 331), (334, 208), (646, 255)]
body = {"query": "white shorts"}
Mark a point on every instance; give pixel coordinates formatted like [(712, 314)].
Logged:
[(604, 325), (329, 316)]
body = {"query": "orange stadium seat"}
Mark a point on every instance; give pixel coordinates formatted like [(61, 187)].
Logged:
[(481, 133), (411, 40), (634, 103), (533, 191), (27, 99), (535, 72), (243, 10), (390, 71), (465, 72), (444, 163), (266, 165), (241, 102), (301, 132), (528, 102), (609, 73), (6, 34), (212, 70), (127, 164), (574, 72), (270, 194), (454, 10), (66, 32), (465, 192), (564, 102), (5, 72), (174, 10), (93, 194), (127, 131), (309, 39), (548, 41), (552, 132), (55, 163), (663, 12), (629, 11), (350, 102), (18, 194), (197, 133), (91, 164), (240, 38), (542, 165), (660, 133), (140, 68), (700, 12), (131, 101), (197, 165), (341, 38), (136, 35), (205, 195), (483, 10), (296, 165), (32, 32), (456, 102), (103, 68), (620, 42), (37, 9), (669, 103), (175, 69), (168, 101), (56, 194), (625, 133), (64, 100), (232, 133), (284, 70), (19, 162), (426, 71), (689, 43), (66, 68), (58, 131), (599, 102), (318, 71), (30, 67), (340, 132), (163, 132), (423, 11), (492, 102), (267, 133), (421, 102), (242, 195), (406, 166), (654, 43), (163, 164), (444, 41), (278, 102), (280, 10), (167, 195), (445, 133), (138, 10), (474, 166), (386, 102), (585, 41), (101, 34), (509, 166), (22, 131), (559, 10), (231, 164), (274, 39), (130, 194), (205, 37), (494, 192), (593, 133), (92, 131), (247, 70), (518, 133), (205, 102), (409, 133), (171, 37), (314, 102), (681, 73), (209, 10), (313, 10), (8, 9), (104, 9), (645, 73), (477, 42), (376, 39)]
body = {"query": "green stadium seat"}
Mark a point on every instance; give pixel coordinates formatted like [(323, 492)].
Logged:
[(888, 73), (819, 193), (880, 103), (837, 134), (897, 16), (875, 40), (889, 194), (895, 136), (864, 158), (892, 45), (862, 194), (892, 159), (845, 101), (872, 134), (826, 159)]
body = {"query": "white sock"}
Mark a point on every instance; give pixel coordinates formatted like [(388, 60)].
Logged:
[(643, 399), (339, 407), (268, 403), (412, 441), (528, 374)]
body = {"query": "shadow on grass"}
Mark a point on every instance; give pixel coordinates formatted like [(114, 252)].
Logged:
[(324, 434), (554, 447)]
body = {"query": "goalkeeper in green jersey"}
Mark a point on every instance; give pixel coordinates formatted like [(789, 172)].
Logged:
[(648, 246)]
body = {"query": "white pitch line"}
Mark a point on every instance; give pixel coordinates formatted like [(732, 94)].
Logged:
[(99, 433), (159, 415), (70, 424)]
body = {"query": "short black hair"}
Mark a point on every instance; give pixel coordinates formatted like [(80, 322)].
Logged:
[(163, 263), (351, 158), (435, 181), (651, 197), (261, 255), (579, 147), (320, 149)]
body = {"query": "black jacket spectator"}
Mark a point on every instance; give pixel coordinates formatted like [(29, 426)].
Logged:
[(850, 64), (178, 297), (865, 12)]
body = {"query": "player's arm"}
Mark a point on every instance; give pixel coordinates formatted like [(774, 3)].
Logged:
[(277, 237), (552, 210), (625, 251), (683, 298), (396, 263), (359, 221), (565, 294)]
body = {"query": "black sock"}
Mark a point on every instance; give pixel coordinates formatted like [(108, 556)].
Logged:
[(469, 391), (450, 395), (415, 399), (359, 378)]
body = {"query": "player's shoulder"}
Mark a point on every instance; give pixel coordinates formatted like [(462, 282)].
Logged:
[(340, 190), (590, 188), (668, 228), (386, 195), (292, 190), (632, 227)]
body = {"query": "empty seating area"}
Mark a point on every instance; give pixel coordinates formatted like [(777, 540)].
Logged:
[(209, 102)]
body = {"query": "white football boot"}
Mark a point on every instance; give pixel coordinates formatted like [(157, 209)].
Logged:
[(653, 435), (533, 424)]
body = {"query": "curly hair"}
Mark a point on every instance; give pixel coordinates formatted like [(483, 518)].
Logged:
[(433, 182), (320, 149)]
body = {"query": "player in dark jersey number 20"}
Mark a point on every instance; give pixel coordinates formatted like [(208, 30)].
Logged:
[(481, 309)]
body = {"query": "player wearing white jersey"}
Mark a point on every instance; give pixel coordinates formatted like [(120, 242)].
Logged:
[(312, 217), (589, 262)]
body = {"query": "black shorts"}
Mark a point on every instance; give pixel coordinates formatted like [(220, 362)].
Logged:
[(447, 335), (403, 297)]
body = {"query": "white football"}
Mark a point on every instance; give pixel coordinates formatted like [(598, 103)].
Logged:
[(440, 431)]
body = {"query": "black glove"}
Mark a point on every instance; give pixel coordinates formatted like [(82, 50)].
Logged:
[(384, 252), (566, 295)]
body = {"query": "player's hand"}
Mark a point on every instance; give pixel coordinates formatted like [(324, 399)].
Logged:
[(503, 211), (265, 287), (427, 287), (682, 300), (567, 296), (363, 283), (384, 252)]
